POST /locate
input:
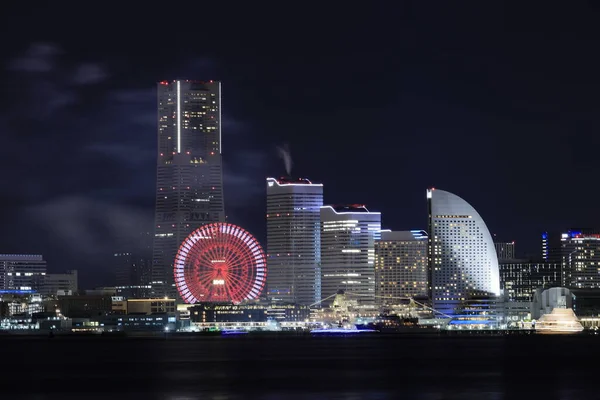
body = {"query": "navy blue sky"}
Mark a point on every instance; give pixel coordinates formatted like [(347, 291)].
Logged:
[(495, 103)]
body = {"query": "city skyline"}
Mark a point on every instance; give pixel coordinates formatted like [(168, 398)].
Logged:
[(516, 106), (217, 200)]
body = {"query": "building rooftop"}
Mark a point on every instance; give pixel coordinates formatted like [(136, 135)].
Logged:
[(403, 236), (184, 80), (582, 233), (288, 179), (21, 257), (354, 208)]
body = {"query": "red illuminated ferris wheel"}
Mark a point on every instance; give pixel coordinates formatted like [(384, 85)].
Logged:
[(220, 262)]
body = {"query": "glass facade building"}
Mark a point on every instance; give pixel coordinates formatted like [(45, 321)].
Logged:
[(461, 255), (348, 236), (580, 255), (22, 272), (294, 240), (519, 280)]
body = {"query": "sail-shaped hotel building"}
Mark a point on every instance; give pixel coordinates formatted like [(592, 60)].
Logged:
[(462, 257)]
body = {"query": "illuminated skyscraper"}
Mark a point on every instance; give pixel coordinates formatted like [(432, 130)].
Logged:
[(400, 266), (348, 236), (189, 178), (22, 272), (462, 257), (580, 254), (293, 240)]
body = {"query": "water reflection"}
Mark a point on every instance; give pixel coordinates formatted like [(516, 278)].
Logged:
[(352, 396), (428, 368)]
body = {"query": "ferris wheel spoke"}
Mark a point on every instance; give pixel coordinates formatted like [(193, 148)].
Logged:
[(241, 277), (236, 294), (204, 269), (205, 276), (222, 250), (238, 256), (211, 254), (235, 280), (243, 265), (199, 258), (239, 262), (235, 257)]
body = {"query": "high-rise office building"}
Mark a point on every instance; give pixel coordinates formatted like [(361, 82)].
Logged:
[(462, 257), (505, 251), (400, 266), (22, 272), (189, 178), (519, 280), (348, 236), (580, 255), (293, 240)]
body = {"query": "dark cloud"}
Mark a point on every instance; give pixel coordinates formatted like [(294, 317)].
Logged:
[(88, 181), (127, 154), (93, 225), (244, 176), (79, 160), (88, 74), (44, 85), (39, 57)]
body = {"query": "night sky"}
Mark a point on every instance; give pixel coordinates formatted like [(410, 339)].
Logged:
[(495, 103)]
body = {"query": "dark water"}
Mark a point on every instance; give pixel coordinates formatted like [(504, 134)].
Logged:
[(373, 367)]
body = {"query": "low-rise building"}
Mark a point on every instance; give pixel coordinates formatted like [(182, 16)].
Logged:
[(63, 284), (250, 312)]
